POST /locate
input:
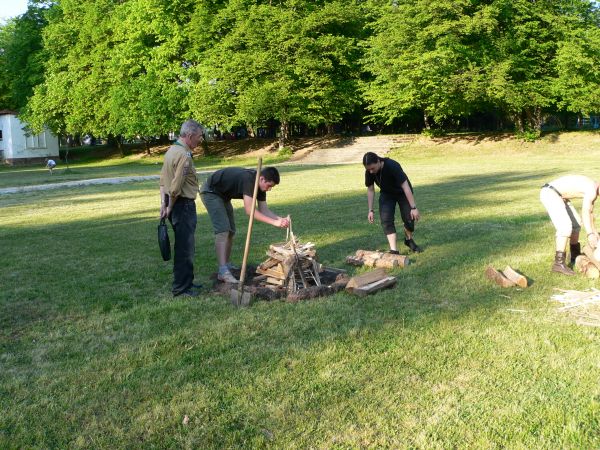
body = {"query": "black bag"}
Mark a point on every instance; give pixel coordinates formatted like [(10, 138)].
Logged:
[(163, 240)]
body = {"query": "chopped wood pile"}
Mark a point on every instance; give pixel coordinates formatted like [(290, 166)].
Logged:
[(507, 278), (377, 259), (291, 265), (370, 282)]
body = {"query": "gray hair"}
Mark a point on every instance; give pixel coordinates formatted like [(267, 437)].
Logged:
[(190, 127)]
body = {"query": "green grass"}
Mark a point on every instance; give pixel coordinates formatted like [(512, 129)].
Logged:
[(95, 353)]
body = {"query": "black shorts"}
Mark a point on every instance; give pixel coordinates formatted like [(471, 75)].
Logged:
[(387, 210)]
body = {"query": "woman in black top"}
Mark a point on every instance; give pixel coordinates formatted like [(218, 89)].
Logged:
[(394, 188)]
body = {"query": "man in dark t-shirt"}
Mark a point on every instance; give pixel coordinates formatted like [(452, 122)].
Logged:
[(395, 188), (236, 183)]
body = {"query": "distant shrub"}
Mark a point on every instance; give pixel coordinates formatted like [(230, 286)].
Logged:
[(529, 135), (433, 132), (285, 152)]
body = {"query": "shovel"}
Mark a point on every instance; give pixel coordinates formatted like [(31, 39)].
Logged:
[(238, 296)]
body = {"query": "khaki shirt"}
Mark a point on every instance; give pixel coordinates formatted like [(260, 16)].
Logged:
[(178, 174)]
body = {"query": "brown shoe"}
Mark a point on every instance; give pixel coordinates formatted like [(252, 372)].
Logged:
[(559, 265)]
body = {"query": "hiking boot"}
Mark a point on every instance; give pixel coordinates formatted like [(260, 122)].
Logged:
[(410, 243), (559, 265), (226, 277), (575, 252)]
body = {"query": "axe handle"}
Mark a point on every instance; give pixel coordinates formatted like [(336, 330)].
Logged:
[(250, 223)]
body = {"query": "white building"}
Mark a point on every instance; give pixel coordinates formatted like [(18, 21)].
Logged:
[(18, 148)]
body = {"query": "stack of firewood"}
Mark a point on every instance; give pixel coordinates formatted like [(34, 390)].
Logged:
[(377, 259), (291, 265)]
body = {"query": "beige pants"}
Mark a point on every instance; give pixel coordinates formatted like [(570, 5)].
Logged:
[(562, 213)]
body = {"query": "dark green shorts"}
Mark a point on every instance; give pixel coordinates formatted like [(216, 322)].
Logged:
[(219, 211)]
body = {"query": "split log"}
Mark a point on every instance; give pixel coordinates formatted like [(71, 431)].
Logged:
[(366, 278), (585, 266), (589, 252), (375, 286), (515, 276), (498, 277)]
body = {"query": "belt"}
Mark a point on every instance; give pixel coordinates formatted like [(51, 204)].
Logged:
[(553, 188)]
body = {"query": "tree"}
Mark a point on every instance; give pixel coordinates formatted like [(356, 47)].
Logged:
[(21, 57), (293, 61)]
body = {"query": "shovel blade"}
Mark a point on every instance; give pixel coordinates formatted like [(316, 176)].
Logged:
[(240, 297)]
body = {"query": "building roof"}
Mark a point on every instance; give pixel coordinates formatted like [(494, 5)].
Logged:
[(4, 112)]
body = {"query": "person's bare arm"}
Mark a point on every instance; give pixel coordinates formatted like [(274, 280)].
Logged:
[(414, 212), (370, 200), (587, 215), (264, 214)]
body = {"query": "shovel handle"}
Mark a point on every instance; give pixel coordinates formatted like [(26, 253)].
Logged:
[(250, 223)]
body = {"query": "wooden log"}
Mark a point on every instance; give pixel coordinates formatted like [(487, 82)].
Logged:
[(274, 273), (589, 252), (585, 266), (269, 263), (498, 277), (354, 261), (275, 281), (375, 286), (366, 278), (515, 276), (377, 259)]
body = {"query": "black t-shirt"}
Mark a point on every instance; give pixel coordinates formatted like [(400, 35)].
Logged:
[(389, 179), (235, 182)]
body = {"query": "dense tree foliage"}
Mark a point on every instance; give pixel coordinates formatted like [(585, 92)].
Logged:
[(454, 57), (21, 57), (128, 68)]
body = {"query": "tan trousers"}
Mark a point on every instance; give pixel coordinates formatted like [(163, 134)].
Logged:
[(562, 213)]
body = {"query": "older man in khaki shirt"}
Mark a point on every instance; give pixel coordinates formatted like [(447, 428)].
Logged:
[(178, 190), (556, 197)]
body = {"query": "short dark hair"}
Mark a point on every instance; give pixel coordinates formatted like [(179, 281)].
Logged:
[(370, 158), (270, 174)]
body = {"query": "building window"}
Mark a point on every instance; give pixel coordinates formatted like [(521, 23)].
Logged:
[(37, 141)]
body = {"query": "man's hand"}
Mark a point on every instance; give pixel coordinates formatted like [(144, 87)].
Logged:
[(414, 214), (282, 222), (371, 216), (593, 239)]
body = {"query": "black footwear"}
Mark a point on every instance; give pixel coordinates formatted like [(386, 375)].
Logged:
[(559, 265), (393, 252), (575, 252), (187, 293), (197, 285), (410, 243)]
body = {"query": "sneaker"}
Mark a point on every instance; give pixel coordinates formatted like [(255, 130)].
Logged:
[(232, 267), (187, 293), (410, 243), (393, 252), (226, 277)]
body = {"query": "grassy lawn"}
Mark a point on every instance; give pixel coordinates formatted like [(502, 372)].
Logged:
[(95, 353), (138, 164)]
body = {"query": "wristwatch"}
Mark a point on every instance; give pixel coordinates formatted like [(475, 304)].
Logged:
[(413, 207)]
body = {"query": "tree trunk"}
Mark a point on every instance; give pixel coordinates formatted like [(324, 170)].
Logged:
[(330, 129), (284, 132), (426, 121)]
